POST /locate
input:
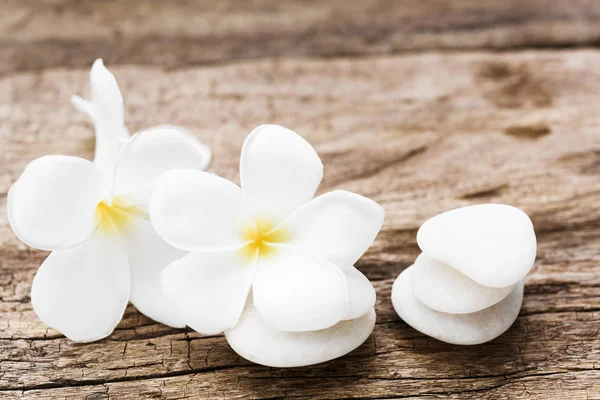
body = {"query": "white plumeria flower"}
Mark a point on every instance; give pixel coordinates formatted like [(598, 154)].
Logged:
[(94, 219), (309, 303)]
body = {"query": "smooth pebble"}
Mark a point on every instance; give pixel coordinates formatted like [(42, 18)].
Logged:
[(257, 341), (464, 329), (445, 289), (492, 244)]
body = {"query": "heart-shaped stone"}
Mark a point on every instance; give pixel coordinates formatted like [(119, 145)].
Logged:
[(492, 244)]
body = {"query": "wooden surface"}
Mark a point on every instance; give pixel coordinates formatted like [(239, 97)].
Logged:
[(408, 103)]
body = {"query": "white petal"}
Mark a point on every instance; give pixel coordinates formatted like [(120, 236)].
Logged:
[(279, 171), (52, 205), (259, 342), (107, 114), (204, 150), (209, 289), (339, 226), (148, 154), (149, 256), (194, 210), (444, 289), (296, 291), (83, 292), (106, 96), (465, 329), (83, 106), (493, 244), (360, 291)]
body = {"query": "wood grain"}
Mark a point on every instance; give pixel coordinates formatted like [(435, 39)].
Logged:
[(35, 35), (420, 133)]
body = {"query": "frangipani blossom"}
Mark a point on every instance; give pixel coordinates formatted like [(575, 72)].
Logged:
[(271, 249), (94, 219)]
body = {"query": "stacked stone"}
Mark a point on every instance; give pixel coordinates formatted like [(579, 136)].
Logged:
[(467, 285)]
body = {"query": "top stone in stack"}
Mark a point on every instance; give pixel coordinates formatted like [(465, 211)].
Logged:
[(467, 285)]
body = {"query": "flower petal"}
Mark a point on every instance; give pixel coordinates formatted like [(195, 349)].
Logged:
[(205, 152), (148, 154), (106, 96), (259, 342), (441, 287), (209, 289), (83, 292), (106, 111), (52, 205), (148, 256), (339, 226), (279, 171), (83, 106), (296, 291), (360, 291), (195, 210)]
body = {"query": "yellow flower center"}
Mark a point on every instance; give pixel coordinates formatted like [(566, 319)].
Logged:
[(261, 236), (117, 216)]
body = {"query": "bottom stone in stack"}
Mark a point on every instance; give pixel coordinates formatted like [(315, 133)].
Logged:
[(465, 329)]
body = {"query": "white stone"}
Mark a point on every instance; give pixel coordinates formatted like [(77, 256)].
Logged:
[(259, 342), (464, 329), (493, 244), (441, 287)]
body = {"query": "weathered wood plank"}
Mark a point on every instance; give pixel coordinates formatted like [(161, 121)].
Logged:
[(542, 342), (229, 384), (35, 35), (418, 133)]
